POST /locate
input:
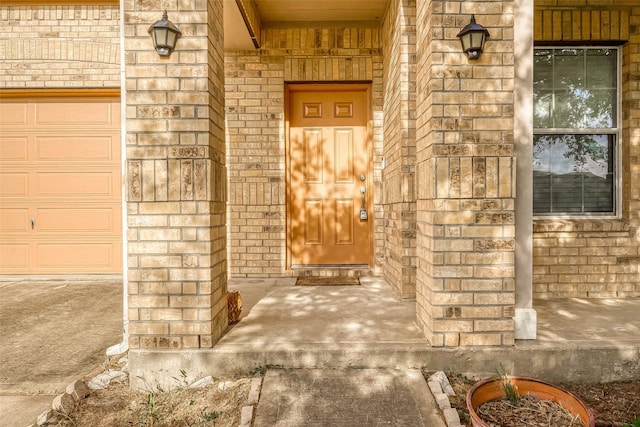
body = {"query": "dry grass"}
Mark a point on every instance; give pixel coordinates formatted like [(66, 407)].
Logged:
[(218, 404)]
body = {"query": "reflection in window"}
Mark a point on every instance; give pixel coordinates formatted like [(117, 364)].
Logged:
[(575, 130), (575, 88), (573, 173)]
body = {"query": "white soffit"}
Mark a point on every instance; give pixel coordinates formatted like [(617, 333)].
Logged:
[(236, 35)]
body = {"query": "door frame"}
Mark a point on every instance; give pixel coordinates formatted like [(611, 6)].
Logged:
[(329, 87)]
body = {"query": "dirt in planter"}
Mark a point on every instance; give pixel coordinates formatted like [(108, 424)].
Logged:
[(527, 411), (613, 404)]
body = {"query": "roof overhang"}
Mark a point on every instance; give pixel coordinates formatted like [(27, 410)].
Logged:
[(244, 19)]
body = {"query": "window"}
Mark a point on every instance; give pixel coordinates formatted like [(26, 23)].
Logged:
[(576, 131)]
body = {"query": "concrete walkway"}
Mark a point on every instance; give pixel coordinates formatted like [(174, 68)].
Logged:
[(346, 397)]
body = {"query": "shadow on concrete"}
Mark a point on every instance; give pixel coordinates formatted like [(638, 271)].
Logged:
[(368, 326), (588, 321), (52, 332), (346, 397), (277, 313)]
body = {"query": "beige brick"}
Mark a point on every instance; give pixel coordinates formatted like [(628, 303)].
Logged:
[(158, 234), (182, 274), (189, 247), (509, 338), (453, 326), (148, 248), (450, 298), (453, 245), (482, 284), (191, 342), (481, 312), (493, 325), (147, 221), (166, 314), (190, 314), (150, 288), (189, 301), (451, 339), (206, 341), (190, 328), (494, 299), (477, 339), (453, 271), (487, 231), (136, 301), (150, 261), (159, 208), (148, 328), (492, 272), (149, 275), (189, 288)]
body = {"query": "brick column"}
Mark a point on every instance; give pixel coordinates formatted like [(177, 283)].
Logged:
[(398, 196), (465, 176), (176, 180)]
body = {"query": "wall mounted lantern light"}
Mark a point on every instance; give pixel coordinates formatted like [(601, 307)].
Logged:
[(164, 35), (473, 37)]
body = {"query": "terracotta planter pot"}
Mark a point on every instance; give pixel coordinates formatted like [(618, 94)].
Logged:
[(491, 389)]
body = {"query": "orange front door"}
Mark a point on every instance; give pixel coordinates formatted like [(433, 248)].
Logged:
[(330, 187)]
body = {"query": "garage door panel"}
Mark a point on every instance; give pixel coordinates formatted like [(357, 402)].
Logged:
[(14, 149), (77, 184), (14, 256), (14, 220), (52, 114), (60, 165), (74, 256), (14, 185), (15, 114), (105, 220), (79, 148)]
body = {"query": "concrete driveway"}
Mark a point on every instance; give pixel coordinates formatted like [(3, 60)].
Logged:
[(52, 332)]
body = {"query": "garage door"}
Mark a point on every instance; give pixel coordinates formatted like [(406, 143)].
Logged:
[(60, 185)]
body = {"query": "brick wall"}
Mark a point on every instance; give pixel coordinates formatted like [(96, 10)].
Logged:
[(595, 257), (465, 177), (255, 133), (59, 46), (176, 180), (398, 196)]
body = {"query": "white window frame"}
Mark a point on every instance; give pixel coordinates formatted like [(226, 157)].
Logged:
[(616, 131)]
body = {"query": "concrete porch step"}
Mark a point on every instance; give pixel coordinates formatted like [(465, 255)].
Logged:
[(367, 326)]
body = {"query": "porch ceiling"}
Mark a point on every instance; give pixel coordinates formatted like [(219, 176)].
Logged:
[(285, 11), (289, 13)]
